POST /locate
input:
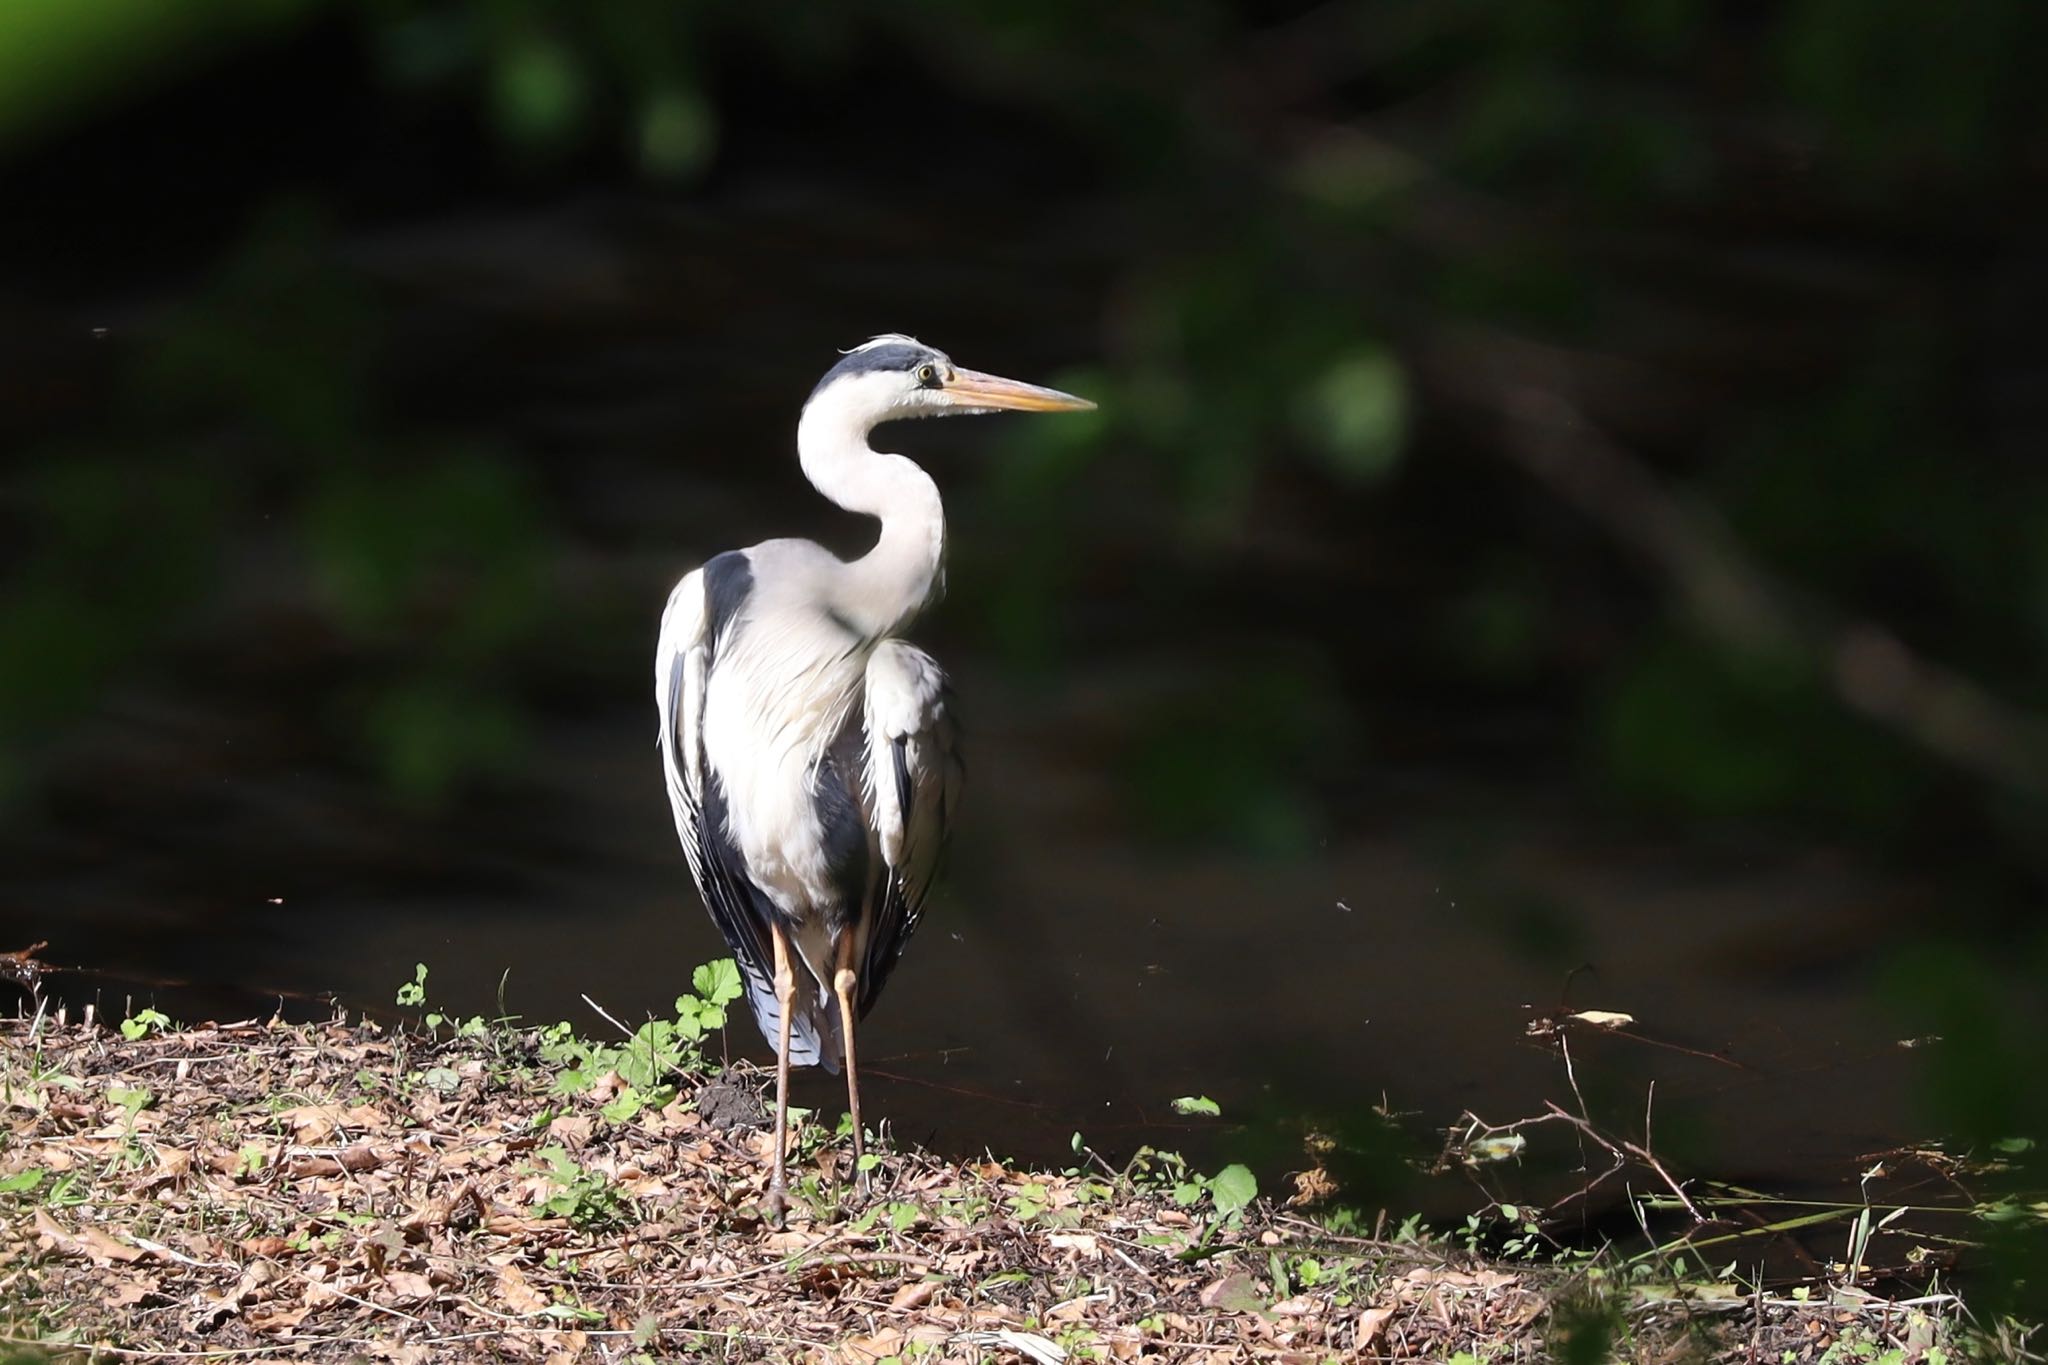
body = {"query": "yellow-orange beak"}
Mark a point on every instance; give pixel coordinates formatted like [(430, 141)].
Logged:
[(973, 389)]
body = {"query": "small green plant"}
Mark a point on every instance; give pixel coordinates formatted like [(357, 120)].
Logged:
[(1028, 1202), (1231, 1189), (413, 993), (1527, 1239), (23, 1182), (717, 985), (143, 1023), (472, 1027), (1228, 1191), (131, 1101), (66, 1190), (658, 1049), (584, 1197), (1856, 1345), (1197, 1104)]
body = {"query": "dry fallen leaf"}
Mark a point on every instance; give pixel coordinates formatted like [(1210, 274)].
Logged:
[(214, 1309), (88, 1242), (1081, 1242), (312, 1123), (1234, 1293), (1370, 1324), (278, 1321), (1311, 1187), (869, 1349), (519, 1296), (126, 1293), (573, 1132), (408, 1287), (1027, 1344)]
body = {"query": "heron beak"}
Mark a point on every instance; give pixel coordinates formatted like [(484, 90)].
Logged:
[(973, 389)]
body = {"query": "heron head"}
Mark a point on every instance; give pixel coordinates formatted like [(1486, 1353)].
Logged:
[(896, 376)]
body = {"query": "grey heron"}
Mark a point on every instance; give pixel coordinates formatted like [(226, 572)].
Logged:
[(809, 750)]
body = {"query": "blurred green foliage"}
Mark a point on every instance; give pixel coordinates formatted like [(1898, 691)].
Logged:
[(1315, 190), (426, 554), (1310, 187), (1235, 754), (1707, 731), (60, 59), (117, 548)]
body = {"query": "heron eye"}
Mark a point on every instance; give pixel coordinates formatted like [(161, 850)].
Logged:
[(928, 375)]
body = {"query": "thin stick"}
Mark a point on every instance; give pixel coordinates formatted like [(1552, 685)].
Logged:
[(606, 1016)]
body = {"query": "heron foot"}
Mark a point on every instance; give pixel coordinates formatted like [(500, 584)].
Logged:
[(774, 1205)]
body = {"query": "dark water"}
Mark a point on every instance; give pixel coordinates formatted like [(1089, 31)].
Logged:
[(1402, 883)]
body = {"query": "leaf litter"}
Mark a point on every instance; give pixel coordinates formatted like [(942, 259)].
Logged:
[(345, 1192)]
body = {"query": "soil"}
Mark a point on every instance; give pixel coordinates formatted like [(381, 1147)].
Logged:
[(343, 1192)]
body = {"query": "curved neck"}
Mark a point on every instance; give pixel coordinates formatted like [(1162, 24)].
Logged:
[(892, 582)]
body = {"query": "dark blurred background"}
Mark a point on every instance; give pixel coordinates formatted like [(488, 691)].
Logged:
[(1566, 528)]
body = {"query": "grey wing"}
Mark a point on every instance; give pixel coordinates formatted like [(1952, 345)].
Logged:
[(911, 782), (683, 661)]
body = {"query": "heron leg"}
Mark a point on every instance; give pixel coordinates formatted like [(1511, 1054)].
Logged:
[(785, 992), (844, 982)]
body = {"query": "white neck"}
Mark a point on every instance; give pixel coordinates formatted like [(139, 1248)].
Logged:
[(891, 583)]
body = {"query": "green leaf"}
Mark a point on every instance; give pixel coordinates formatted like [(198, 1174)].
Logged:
[(1355, 414), (1197, 1104), (144, 1022), (718, 983), (134, 1101), (22, 1181), (689, 1022), (677, 133), (1232, 1188), (414, 992)]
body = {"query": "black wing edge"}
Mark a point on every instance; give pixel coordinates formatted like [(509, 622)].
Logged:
[(895, 916), (732, 899)]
